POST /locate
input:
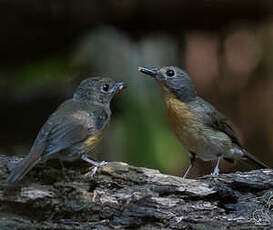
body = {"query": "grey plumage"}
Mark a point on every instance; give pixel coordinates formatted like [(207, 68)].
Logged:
[(66, 133), (203, 130)]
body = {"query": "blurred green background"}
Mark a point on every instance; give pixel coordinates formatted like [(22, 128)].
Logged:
[(48, 47)]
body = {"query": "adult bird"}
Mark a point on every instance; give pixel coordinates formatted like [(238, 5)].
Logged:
[(204, 132)]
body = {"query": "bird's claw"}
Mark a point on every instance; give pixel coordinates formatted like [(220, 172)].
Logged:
[(215, 172), (103, 163), (95, 168)]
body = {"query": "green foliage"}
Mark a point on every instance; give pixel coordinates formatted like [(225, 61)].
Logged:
[(149, 140), (40, 73)]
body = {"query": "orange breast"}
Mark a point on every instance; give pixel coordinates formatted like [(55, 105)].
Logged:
[(183, 122), (91, 142)]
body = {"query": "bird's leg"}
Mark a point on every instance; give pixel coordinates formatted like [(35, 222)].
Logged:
[(94, 163), (192, 159), (186, 173), (63, 170), (216, 170)]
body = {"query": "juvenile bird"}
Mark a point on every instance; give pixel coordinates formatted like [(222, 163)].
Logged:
[(73, 130), (202, 130)]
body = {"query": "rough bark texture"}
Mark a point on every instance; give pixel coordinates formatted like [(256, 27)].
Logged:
[(122, 196)]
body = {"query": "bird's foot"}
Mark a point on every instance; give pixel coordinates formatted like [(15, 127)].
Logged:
[(216, 172), (96, 166)]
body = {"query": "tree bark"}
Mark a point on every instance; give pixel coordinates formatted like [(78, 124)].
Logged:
[(121, 196)]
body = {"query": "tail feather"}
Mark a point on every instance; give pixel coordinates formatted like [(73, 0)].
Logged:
[(254, 160), (24, 166)]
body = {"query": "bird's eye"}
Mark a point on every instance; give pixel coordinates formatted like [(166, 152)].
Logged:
[(170, 73), (105, 87)]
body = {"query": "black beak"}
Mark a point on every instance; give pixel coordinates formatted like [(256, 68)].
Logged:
[(152, 72)]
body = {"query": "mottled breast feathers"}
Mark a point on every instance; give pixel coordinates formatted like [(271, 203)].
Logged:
[(100, 121)]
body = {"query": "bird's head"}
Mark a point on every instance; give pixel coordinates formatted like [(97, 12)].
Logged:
[(98, 90), (172, 79)]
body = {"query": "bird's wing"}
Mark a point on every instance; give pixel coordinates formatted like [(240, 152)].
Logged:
[(219, 122), (73, 127), (216, 120), (63, 129)]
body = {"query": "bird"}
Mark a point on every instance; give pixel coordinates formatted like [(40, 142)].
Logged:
[(74, 129), (204, 132)]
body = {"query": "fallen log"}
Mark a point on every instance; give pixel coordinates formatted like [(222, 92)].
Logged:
[(121, 196)]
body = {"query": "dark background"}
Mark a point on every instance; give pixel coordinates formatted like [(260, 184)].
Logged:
[(226, 46)]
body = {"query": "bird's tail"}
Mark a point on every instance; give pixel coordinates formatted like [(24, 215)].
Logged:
[(254, 160), (24, 166)]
